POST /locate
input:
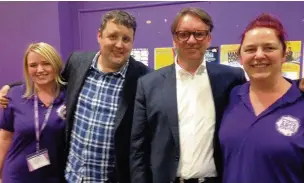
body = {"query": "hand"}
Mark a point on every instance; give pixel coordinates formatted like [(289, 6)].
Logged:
[(301, 85), (3, 100)]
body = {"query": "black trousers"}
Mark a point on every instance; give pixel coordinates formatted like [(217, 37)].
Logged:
[(207, 180)]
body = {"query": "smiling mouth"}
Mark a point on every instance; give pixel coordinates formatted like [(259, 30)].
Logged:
[(260, 65), (117, 54), (192, 49)]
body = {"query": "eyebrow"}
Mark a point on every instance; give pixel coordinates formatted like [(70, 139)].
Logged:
[(265, 44)]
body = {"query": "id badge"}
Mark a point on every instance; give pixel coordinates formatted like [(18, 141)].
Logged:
[(38, 160)]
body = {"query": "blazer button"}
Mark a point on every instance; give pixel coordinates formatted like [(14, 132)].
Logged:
[(176, 158)]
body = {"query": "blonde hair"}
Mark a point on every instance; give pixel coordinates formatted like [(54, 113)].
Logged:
[(52, 56)]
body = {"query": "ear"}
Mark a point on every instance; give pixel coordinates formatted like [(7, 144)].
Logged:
[(284, 57), (98, 36), (210, 37), (174, 43), (241, 60)]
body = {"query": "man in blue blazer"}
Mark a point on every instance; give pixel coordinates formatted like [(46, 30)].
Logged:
[(178, 110)]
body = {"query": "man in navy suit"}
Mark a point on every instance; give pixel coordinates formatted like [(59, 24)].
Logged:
[(178, 110)]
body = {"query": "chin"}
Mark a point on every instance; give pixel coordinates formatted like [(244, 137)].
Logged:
[(44, 82), (119, 61), (260, 76)]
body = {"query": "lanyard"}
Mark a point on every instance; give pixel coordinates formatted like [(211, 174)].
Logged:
[(46, 118)]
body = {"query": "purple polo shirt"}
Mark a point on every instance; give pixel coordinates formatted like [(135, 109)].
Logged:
[(268, 148), (18, 118)]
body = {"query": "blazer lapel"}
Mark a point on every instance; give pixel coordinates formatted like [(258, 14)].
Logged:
[(128, 90), (214, 83), (84, 66), (170, 102)]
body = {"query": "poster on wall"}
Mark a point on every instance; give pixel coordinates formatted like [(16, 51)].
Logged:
[(212, 54), (291, 68), (229, 55), (163, 57), (141, 55)]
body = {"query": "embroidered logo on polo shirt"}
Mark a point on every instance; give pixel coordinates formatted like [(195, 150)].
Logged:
[(288, 125), (61, 112)]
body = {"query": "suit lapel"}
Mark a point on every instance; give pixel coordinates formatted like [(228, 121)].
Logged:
[(128, 90), (84, 66), (214, 83), (170, 102)]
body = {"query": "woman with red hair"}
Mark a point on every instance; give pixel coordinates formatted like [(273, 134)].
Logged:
[(262, 134)]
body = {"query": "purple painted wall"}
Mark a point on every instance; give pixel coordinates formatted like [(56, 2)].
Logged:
[(72, 26), (66, 28), (23, 23), (230, 19)]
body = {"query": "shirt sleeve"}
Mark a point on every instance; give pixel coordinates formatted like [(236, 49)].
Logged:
[(7, 115)]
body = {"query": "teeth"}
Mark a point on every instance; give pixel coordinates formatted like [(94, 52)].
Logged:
[(260, 65)]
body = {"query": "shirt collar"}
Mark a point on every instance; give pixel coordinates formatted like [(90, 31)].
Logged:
[(290, 96), (180, 71), (122, 72)]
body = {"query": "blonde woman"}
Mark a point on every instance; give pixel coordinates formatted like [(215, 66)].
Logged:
[(32, 125)]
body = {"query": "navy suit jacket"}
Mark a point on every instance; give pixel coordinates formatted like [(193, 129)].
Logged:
[(75, 73), (155, 146)]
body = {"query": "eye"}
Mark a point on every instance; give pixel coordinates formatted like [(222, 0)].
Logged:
[(46, 63), (250, 50), (269, 48), (200, 34), (32, 65), (112, 37), (126, 39), (183, 34)]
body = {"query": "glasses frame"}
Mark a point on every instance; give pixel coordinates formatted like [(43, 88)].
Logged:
[(207, 32)]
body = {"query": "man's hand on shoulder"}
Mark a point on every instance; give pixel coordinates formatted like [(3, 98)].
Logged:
[(3, 92)]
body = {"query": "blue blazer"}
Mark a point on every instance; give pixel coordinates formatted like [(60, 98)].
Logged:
[(155, 149)]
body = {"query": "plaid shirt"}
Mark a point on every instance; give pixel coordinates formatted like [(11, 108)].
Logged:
[(92, 154)]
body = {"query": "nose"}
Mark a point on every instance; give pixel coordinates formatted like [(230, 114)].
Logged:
[(191, 39), (259, 53), (40, 68), (119, 43)]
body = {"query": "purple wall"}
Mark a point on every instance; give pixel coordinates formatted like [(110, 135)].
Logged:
[(230, 19), (23, 23), (72, 26)]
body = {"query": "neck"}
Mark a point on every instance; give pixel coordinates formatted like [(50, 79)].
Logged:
[(106, 66), (272, 86), (189, 65), (50, 89)]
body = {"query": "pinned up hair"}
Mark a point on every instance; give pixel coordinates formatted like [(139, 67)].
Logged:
[(266, 20)]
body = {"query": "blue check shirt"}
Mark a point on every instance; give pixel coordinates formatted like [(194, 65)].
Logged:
[(92, 155)]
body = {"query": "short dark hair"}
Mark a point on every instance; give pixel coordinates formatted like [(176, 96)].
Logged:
[(204, 16), (119, 17)]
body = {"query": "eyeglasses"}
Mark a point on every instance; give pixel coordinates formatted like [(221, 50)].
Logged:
[(198, 35)]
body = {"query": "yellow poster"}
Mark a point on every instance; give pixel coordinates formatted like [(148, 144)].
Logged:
[(229, 55), (163, 57), (291, 68)]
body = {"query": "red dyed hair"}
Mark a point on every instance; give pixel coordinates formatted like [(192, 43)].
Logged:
[(266, 20)]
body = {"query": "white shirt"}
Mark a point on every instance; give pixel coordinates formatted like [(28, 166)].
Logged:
[(196, 114)]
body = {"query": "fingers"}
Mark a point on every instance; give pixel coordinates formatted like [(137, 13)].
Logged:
[(3, 102), (4, 90), (301, 85)]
